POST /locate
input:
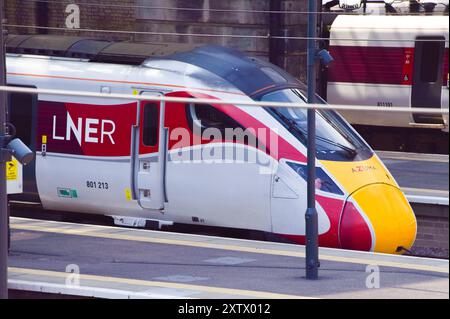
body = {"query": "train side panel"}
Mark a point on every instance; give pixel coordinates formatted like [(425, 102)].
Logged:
[(83, 156), (84, 160)]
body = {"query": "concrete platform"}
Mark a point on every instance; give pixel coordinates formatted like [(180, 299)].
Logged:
[(127, 263), (424, 178)]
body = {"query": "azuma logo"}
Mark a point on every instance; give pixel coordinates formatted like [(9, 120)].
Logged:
[(85, 130)]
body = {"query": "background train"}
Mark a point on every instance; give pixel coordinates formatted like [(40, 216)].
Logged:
[(132, 161), (392, 61), (383, 7)]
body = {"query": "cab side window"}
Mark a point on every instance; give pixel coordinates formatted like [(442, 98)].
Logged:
[(207, 116)]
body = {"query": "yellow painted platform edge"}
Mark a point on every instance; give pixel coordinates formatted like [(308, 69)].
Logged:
[(146, 283)]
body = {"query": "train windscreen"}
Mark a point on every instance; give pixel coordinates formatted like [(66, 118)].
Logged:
[(335, 139)]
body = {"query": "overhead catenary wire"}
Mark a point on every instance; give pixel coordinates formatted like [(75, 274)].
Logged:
[(210, 35), (336, 107), (122, 6)]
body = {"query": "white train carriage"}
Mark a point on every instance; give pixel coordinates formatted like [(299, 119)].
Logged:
[(390, 61)]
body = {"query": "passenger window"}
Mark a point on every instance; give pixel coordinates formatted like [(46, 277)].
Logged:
[(150, 124)]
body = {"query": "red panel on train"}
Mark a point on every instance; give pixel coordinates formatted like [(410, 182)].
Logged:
[(86, 129)]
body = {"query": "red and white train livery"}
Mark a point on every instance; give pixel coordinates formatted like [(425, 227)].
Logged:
[(167, 162)]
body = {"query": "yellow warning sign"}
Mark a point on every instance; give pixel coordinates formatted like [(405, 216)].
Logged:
[(128, 195), (12, 170)]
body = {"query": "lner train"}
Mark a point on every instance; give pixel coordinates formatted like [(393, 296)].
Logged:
[(177, 163)]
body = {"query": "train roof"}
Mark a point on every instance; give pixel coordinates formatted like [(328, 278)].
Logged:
[(392, 22), (94, 50), (386, 30), (250, 75)]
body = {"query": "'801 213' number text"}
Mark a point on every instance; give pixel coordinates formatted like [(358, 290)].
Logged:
[(97, 185)]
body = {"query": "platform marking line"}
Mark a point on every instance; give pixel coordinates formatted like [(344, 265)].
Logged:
[(417, 157), (145, 283), (425, 190), (404, 159), (362, 261), (418, 199), (84, 291)]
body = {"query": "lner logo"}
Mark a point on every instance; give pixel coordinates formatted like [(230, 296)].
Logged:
[(85, 130)]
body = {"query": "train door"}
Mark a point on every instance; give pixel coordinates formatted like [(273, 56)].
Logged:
[(428, 77), (149, 160)]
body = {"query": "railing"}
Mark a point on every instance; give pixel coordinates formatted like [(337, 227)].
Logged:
[(336, 107), (441, 200)]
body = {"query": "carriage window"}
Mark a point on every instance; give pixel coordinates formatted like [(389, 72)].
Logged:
[(150, 124), (207, 116), (430, 61), (429, 54)]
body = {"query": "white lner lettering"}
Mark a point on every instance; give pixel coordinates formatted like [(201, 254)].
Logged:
[(91, 130), (108, 133), (95, 130), (75, 129), (55, 137)]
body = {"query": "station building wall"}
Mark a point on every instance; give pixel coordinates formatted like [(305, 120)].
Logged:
[(255, 28)]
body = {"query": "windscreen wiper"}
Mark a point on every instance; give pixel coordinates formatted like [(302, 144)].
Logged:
[(345, 135), (291, 124)]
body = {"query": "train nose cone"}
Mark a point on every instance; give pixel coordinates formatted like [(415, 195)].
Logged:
[(379, 218)]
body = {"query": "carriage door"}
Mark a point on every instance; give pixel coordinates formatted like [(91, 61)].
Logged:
[(150, 156), (428, 77)]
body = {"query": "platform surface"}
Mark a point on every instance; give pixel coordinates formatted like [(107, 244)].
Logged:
[(424, 178), (127, 263)]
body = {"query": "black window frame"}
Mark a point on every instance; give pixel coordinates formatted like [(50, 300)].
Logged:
[(24, 119), (431, 58), (229, 122), (328, 185), (150, 124)]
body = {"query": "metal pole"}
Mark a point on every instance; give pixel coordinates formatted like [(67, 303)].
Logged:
[(312, 245), (3, 190)]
